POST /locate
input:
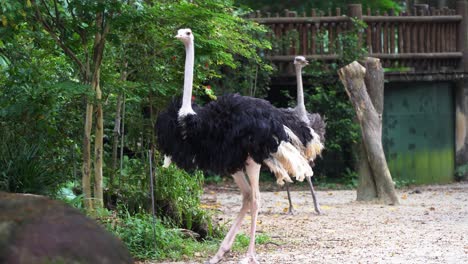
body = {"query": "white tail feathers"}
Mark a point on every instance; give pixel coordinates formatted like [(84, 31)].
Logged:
[(167, 161), (312, 149), (288, 161)]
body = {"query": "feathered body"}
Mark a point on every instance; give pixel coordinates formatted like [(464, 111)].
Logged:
[(310, 143), (223, 133)]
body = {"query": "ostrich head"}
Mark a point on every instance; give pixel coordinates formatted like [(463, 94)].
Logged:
[(185, 35), (300, 61)]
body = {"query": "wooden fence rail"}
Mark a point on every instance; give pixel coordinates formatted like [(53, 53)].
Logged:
[(422, 40)]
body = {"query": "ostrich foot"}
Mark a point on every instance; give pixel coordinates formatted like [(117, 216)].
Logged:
[(219, 256), (291, 211), (318, 211), (249, 259), (213, 260)]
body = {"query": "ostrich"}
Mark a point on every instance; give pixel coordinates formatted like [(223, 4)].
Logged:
[(310, 148), (233, 135)]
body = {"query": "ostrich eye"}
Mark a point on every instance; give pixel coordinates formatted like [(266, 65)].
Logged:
[(188, 33)]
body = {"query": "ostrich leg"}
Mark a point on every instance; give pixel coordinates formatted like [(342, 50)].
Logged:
[(240, 180), (253, 172), (291, 209), (316, 205)]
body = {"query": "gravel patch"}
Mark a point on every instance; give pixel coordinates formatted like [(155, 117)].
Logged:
[(429, 226)]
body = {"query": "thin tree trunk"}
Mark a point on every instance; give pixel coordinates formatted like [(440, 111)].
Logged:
[(98, 52), (98, 146), (122, 141), (116, 134), (352, 76), (115, 143), (86, 168)]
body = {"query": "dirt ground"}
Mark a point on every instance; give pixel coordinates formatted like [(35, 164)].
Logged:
[(430, 226)]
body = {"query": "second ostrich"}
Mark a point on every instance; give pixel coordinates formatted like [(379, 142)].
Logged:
[(232, 135), (310, 147)]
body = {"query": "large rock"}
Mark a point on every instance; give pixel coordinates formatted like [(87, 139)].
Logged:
[(35, 229)]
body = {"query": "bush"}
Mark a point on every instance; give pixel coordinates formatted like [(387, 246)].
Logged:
[(148, 238), (25, 167), (177, 195), (176, 192)]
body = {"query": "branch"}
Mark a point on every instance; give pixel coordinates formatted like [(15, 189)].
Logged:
[(100, 40), (48, 10), (57, 19), (56, 38)]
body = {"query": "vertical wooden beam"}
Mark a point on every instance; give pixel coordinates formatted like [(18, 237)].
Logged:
[(355, 11), (462, 43), (313, 33)]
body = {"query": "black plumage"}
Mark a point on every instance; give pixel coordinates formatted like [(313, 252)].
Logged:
[(223, 133)]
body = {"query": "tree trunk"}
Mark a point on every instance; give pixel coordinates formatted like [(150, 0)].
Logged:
[(116, 133), (366, 189), (98, 52), (374, 80), (86, 177), (98, 146), (352, 76), (116, 137)]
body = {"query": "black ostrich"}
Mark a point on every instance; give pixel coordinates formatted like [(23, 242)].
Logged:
[(312, 145), (232, 135)]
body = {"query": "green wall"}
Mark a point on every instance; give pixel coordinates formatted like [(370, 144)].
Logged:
[(419, 131)]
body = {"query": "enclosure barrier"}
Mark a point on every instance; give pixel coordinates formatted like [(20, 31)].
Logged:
[(421, 40)]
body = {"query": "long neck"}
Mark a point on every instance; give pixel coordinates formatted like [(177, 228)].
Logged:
[(188, 80), (300, 108)]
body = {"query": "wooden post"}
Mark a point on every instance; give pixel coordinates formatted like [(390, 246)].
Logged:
[(355, 11)]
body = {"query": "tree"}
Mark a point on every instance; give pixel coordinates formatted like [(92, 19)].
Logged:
[(141, 60), (80, 29), (379, 179)]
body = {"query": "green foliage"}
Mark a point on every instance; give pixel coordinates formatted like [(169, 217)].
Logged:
[(300, 6), (148, 238), (153, 239), (401, 183), (461, 172), (177, 195), (24, 168), (242, 241), (38, 118)]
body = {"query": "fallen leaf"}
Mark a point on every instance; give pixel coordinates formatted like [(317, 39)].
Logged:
[(404, 196)]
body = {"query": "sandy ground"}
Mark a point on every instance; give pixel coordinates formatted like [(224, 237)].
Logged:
[(430, 226)]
